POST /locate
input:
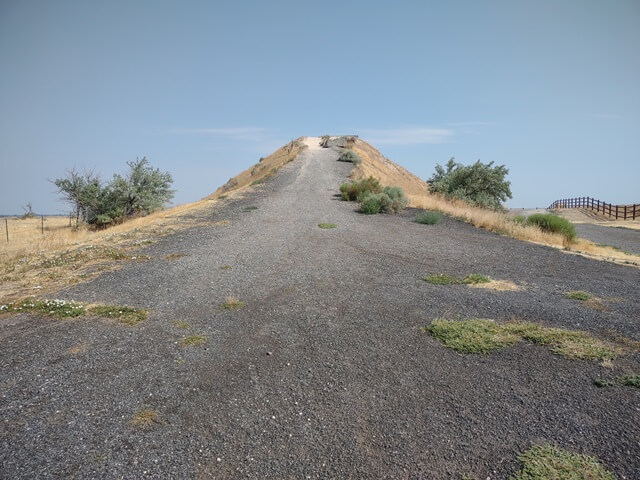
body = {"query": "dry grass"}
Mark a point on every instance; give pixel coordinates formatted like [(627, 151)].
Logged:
[(498, 285), (232, 303), (145, 418), (417, 190)]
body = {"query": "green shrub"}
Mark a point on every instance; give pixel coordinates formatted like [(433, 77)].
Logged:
[(349, 156), (478, 184), (352, 191), (519, 219), (554, 224), (428, 218), (397, 197), (371, 203)]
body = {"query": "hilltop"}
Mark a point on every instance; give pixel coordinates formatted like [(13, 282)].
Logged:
[(277, 332)]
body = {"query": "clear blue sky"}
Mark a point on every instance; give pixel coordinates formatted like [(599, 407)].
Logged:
[(551, 88)]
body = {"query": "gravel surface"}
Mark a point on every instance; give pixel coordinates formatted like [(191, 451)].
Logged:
[(626, 239), (324, 373)]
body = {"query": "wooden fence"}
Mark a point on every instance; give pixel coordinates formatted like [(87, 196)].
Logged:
[(622, 212)]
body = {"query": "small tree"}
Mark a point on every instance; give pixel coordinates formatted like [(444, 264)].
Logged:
[(479, 184), (143, 190), (28, 211)]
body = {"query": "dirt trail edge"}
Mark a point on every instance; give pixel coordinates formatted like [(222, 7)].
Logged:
[(324, 372)]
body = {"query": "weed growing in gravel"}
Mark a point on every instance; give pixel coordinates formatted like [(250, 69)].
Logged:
[(232, 304), (484, 336), (257, 181), (125, 315), (442, 279), (181, 324), (225, 267), (471, 336), (474, 278), (327, 225), (546, 462), (145, 418), (193, 341), (65, 309), (50, 308), (625, 380), (427, 217), (390, 200), (174, 256), (250, 208), (578, 295)]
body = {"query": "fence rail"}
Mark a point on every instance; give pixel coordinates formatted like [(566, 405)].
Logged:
[(622, 212)]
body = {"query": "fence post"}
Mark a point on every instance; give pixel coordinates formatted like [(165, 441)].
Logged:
[(42, 225), (6, 227), (616, 212)]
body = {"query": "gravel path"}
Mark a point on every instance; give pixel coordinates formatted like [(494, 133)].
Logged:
[(626, 239), (324, 373)]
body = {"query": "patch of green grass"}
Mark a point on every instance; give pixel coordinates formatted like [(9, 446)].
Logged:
[(327, 225), (232, 304), (474, 278), (442, 279), (250, 208), (193, 341), (578, 295), (519, 219), (181, 324), (546, 462), (625, 380), (50, 308), (484, 336), (126, 315), (549, 222), (257, 181), (427, 217), (225, 267), (471, 336), (629, 380)]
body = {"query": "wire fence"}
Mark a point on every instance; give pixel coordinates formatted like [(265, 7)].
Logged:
[(22, 230)]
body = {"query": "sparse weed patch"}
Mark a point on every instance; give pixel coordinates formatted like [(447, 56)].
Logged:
[(471, 336), (484, 336), (257, 181), (327, 225), (126, 315), (51, 308), (442, 279), (625, 380), (181, 324), (250, 208), (545, 462), (549, 222), (174, 256), (193, 341), (474, 278), (225, 267), (145, 418), (427, 217), (519, 219), (578, 295), (232, 304)]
